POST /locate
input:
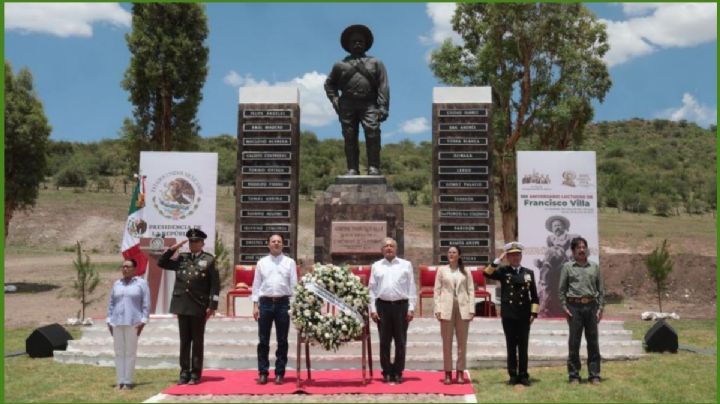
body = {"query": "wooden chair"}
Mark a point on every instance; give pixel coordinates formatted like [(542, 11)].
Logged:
[(243, 274), (427, 284)]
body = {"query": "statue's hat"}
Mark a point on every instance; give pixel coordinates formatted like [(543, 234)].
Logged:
[(357, 28)]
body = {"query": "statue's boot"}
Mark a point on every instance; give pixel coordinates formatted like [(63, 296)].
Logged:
[(352, 153), (372, 143)]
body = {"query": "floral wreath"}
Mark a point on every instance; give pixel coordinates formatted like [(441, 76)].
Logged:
[(328, 329)]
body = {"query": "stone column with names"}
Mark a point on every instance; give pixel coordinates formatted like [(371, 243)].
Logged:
[(462, 174), (267, 171)]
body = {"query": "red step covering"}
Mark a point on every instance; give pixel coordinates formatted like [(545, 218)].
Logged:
[(231, 382)]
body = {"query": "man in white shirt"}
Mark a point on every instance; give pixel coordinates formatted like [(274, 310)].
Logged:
[(275, 278), (392, 306)]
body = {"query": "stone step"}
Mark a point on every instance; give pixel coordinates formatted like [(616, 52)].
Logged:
[(241, 347), (249, 361)]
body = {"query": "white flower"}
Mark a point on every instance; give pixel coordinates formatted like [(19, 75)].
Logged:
[(306, 313)]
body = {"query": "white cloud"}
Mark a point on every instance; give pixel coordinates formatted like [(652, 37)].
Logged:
[(315, 109), (656, 26), (415, 125), (441, 15), (692, 111), (63, 19)]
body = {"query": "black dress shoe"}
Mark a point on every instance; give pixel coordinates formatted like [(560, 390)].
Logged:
[(262, 379), (279, 379), (524, 381), (512, 381), (194, 381), (398, 379), (183, 381), (387, 378)]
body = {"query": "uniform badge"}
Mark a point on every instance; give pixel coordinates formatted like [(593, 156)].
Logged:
[(527, 278), (202, 264)]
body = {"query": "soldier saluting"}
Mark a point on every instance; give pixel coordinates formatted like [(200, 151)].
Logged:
[(195, 299), (359, 92), (519, 307)]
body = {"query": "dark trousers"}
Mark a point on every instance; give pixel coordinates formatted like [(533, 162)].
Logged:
[(584, 316), (192, 339), (392, 326), (270, 311), (517, 333), (353, 113)]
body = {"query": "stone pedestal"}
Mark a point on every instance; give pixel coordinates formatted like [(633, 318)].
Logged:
[(353, 216)]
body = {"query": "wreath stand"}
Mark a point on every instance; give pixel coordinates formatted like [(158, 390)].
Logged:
[(366, 353)]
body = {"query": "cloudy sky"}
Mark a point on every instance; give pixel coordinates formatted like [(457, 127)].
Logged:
[(663, 60)]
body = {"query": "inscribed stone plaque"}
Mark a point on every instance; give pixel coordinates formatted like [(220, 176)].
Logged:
[(265, 228), (463, 112), (267, 141), (463, 199), (462, 141), (475, 259), (462, 156), (357, 237), (262, 170), (267, 113), (462, 127), (266, 127), (266, 155), (462, 170)]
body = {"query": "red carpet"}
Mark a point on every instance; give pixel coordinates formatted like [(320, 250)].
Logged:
[(226, 382)]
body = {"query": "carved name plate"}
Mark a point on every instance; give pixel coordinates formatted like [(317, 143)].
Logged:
[(266, 170), (463, 184), (266, 127), (266, 155), (265, 198), (267, 113), (463, 112), (483, 214), (462, 170), (266, 184), (267, 141), (462, 155), (464, 228), (357, 237), (462, 141), (259, 242), (462, 127), (264, 213), (463, 199), (475, 259), (261, 228), (478, 242), (257, 257)]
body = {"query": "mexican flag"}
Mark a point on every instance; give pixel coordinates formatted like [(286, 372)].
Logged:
[(135, 227)]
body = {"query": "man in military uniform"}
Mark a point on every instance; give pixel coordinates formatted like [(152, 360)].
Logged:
[(582, 295), (195, 299), (519, 307), (358, 89)]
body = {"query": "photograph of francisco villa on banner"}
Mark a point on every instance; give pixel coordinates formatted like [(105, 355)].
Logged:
[(557, 201)]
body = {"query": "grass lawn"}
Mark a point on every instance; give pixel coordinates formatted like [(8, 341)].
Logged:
[(681, 377)]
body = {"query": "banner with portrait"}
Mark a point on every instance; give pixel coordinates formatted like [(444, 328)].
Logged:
[(180, 194), (557, 201)]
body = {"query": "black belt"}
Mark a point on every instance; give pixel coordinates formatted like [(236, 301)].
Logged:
[(581, 300), (274, 299), (401, 301)]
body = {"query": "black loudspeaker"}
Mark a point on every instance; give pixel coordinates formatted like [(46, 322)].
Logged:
[(661, 337), (44, 340)]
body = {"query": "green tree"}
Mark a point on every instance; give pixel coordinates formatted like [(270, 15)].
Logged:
[(659, 266), (166, 74), (87, 279), (26, 141), (544, 65)]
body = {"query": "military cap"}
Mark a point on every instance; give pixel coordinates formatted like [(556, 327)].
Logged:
[(195, 234), (513, 247), (357, 28)]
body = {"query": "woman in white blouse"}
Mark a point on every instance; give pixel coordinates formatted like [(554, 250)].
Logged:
[(127, 314), (454, 308)]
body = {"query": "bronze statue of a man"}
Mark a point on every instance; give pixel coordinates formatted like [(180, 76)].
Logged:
[(358, 89)]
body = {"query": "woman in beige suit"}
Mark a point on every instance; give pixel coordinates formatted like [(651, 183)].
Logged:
[(454, 307)]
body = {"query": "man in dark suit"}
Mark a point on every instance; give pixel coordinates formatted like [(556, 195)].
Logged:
[(519, 307), (195, 299)]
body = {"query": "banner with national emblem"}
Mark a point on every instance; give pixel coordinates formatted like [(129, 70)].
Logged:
[(181, 189), (557, 201), (135, 227)]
